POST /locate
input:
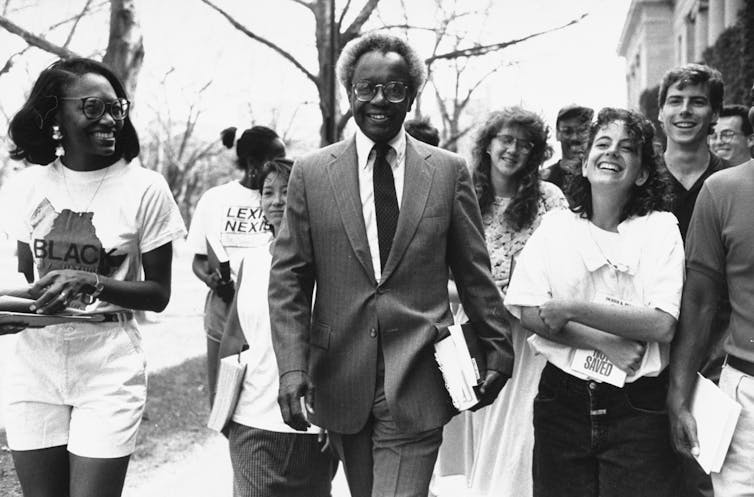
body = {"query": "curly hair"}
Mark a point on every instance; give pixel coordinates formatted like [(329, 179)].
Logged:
[(522, 209), (653, 195), (383, 43), (31, 127)]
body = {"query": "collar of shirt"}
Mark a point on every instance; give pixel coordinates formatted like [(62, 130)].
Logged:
[(628, 256), (364, 147)]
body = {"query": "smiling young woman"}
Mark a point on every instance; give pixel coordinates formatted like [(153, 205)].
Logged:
[(90, 222), (604, 280)]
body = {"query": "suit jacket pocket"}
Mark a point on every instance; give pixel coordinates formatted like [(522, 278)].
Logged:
[(320, 335)]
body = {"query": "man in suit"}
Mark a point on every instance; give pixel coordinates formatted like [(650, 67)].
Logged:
[(362, 353)]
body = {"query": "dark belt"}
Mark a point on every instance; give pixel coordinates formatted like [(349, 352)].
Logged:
[(742, 365), (113, 317)]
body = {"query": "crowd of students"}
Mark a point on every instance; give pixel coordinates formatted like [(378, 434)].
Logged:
[(334, 305)]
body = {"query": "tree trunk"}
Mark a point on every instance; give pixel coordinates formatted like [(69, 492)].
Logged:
[(327, 41), (125, 48)]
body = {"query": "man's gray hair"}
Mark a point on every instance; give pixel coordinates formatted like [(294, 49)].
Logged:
[(380, 42)]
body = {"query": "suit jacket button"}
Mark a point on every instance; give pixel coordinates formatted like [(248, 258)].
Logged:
[(372, 333)]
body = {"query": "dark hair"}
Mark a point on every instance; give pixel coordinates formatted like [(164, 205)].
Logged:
[(522, 209), (31, 127), (653, 195), (253, 148), (694, 74), (382, 42), (281, 166), (574, 111), (739, 111), (423, 131)]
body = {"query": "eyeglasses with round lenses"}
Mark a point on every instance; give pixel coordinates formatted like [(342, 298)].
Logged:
[(95, 107), (725, 136), (394, 91), (508, 141), (570, 131)]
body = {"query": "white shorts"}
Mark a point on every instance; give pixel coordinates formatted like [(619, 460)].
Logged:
[(83, 386)]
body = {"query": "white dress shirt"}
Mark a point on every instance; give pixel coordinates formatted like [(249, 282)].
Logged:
[(365, 156)]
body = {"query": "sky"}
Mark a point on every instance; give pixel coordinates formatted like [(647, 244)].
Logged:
[(188, 45)]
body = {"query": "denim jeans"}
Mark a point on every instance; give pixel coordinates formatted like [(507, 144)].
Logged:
[(596, 440)]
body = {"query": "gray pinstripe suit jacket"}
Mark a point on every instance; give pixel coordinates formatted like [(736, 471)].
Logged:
[(323, 241)]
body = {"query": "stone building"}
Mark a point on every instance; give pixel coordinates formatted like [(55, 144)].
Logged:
[(660, 34)]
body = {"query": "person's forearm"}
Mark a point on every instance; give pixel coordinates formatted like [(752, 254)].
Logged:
[(639, 323), (573, 334), (200, 268), (137, 295), (690, 345)]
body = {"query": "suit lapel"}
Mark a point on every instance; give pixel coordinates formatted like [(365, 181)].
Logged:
[(344, 181), (416, 187)]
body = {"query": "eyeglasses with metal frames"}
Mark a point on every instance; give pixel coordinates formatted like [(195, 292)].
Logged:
[(95, 107), (394, 91), (725, 136), (511, 141)]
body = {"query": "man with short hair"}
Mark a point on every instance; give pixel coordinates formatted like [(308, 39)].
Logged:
[(733, 136), (375, 222), (572, 131), (690, 100)]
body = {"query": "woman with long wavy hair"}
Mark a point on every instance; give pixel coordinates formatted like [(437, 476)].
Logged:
[(509, 150)]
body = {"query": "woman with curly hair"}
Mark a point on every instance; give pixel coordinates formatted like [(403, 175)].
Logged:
[(601, 288), (508, 152)]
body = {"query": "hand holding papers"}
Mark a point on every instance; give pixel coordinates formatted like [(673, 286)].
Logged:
[(716, 416), (461, 362), (229, 383), (15, 311)]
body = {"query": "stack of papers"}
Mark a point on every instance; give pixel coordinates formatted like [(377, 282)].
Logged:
[(716, 416), (15, 310), (229, 383), (459, 368)]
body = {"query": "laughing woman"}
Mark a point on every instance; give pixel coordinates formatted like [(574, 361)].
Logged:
[(89, 222), (605, 279)]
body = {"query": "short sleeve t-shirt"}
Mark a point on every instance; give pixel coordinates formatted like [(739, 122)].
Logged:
[(566, 258), (720, 244), (257, 404), (233, 213), (98, 221)]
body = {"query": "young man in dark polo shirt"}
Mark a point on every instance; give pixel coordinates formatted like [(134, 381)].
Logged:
[(691, 97), (690, 100), (572, 131)]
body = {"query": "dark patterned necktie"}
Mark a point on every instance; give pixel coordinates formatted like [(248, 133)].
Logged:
[(385, 201)]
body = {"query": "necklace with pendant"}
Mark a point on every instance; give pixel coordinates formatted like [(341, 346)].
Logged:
[(94, 195)]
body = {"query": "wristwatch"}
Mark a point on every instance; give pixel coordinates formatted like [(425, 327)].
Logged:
[(91, 292)]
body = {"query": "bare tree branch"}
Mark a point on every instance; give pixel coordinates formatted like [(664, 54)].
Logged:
[(306, 4), (35, 40), (76, 22), (485, 49), (285, 54), (343, 14), (9, 63), (93, 9), (363, 16)]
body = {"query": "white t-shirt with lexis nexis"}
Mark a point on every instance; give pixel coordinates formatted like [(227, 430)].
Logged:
[(99, 221), (233, 213), (257, 405)]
